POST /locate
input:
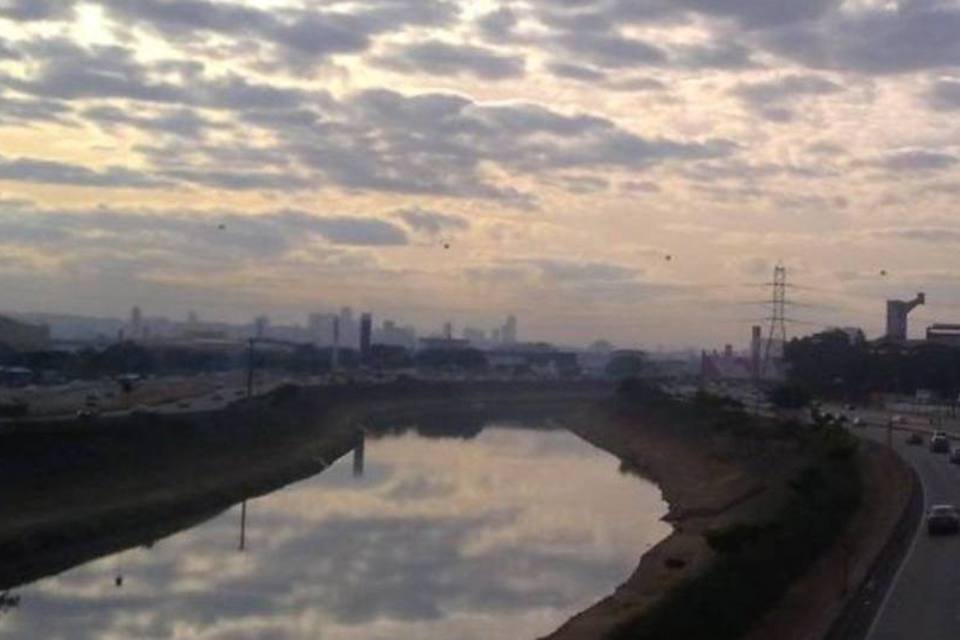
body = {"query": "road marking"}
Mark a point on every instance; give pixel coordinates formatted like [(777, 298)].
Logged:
[(906, 558)]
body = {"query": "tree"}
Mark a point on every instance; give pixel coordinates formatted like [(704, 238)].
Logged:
[(789, 396), (626, 365)]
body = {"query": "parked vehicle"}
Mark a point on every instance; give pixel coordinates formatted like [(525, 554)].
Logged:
[(939, 444), (914, 439), (943, 519), (858, 422), (955, 455)]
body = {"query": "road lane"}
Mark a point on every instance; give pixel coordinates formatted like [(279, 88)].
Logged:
[(924, 601)]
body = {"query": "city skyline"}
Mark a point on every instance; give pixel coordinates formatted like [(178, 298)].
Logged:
[(605, 169)]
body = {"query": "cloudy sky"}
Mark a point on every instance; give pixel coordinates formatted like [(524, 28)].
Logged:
[(237, 156)]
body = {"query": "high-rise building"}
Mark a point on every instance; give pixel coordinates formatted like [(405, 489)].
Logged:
[(136, 324), (348, 327), (508, 334), (366, 328), (335, 351), (448, 330), (260, 326)]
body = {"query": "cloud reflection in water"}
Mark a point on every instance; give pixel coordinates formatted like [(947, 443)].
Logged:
[(504, 535)]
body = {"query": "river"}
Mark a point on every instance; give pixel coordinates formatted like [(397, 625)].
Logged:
[(504, 533)]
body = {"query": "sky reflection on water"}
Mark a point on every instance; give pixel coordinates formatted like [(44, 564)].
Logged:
[(502, 536)]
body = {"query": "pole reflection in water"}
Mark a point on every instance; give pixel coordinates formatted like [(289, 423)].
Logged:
[(243, 526), (358, 454)]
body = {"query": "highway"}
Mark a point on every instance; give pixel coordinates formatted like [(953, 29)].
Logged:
[(923, 601)]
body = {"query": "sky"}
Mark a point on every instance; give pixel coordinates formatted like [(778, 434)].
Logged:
[(624, 169)]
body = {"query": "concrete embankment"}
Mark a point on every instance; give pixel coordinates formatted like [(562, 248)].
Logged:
[(71, 491)]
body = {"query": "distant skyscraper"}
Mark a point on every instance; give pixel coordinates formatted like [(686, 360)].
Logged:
[(260, 326), (335, 351), (136, 324), (508, 335), (366, 328), (348, 327), (448, 330), (192, 318)]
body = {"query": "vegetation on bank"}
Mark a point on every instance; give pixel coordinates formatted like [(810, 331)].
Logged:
[(756, 562), (830, 364)]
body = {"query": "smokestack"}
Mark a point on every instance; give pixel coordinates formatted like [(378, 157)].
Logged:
[(756, 346)]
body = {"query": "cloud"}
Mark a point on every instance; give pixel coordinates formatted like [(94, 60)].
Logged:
[(498, 25), (572, 71), (431, 222), (916, 161), (776, 99), (356, 231), (875, 38), (36, 10), (52, 172), (571, 271), (439, 58), (612, 50), (296, 35), (944, 95)]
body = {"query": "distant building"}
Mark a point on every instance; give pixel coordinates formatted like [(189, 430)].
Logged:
[(443, 344), (946, 334), (539, 357), (391, 334), (897, 312), (21, 336), (261, 325), (477, 337), (448, 330), (366, 331), (136, 329), (508, 333)]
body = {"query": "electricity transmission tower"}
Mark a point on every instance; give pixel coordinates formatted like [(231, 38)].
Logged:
[(778, 315)]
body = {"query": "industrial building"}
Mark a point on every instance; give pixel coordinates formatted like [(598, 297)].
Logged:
[(897, 312), (945, 334)]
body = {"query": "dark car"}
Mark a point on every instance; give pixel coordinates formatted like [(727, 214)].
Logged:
[(955, 455), (939, 444), (943, 519), (914, 439)]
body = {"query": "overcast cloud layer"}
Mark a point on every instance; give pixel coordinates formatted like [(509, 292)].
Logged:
[(601, 168)]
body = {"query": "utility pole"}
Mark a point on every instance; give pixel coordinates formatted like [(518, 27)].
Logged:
[(250, 368)]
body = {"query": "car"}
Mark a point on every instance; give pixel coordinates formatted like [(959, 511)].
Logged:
[(86, 414), (939, 444), (943, 519), (955, 455), (914, 439), (217, 396), (858, 422), (183, 404)]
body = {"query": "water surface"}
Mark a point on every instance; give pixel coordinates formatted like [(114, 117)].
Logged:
[(503, 535)]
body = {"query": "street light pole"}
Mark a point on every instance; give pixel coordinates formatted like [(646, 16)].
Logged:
[(250, 368)]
